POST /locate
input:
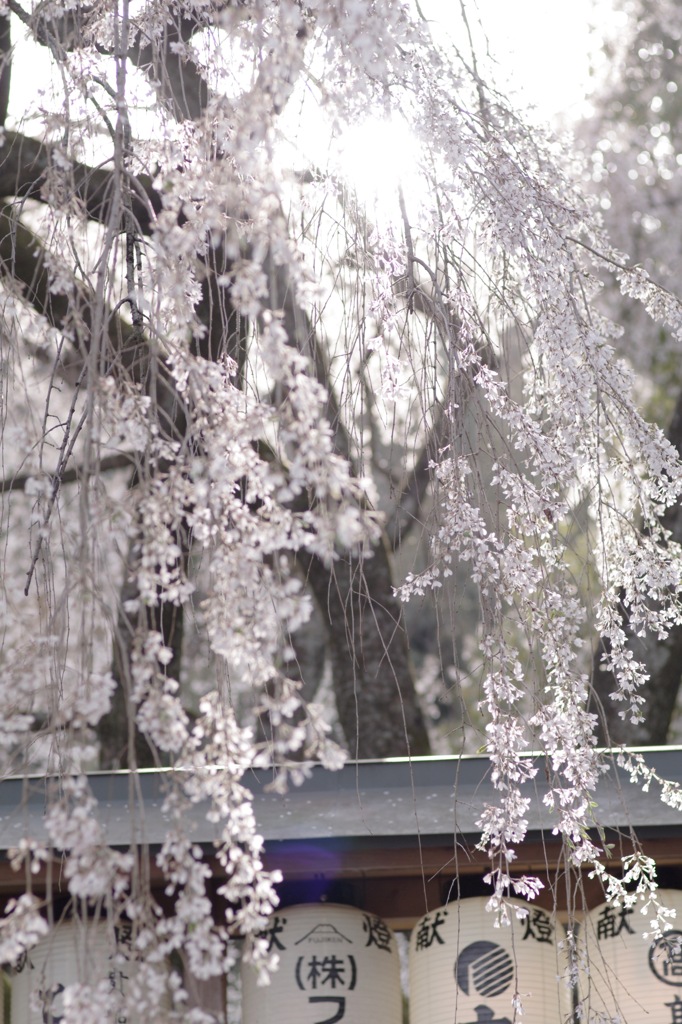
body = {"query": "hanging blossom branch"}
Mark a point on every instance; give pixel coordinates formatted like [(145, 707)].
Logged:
[(237, 506), (578, 432)]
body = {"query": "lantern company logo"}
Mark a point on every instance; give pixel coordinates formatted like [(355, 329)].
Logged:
[(484, 968), (323, 933), (665, 958)]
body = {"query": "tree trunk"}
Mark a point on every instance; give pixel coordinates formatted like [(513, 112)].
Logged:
[(373, 683)]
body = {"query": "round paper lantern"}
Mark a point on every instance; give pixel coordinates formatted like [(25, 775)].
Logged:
[(335, 964), (464, 970), (630, 976), (75, 952)]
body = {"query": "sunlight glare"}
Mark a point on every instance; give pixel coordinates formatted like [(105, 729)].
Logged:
[(377, 158)]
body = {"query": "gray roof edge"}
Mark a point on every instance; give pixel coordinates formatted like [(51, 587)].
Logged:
[(426, 796)]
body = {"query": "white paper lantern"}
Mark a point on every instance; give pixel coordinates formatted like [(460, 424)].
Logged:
[(74, 953), (335, 964), (635, 978), (464, 970)]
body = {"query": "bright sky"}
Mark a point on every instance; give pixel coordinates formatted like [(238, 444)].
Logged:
[(543, 46)]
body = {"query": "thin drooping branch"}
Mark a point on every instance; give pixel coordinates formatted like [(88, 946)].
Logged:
[(409, 502), (124, 352), (5, 65), (128, 357), (303, 336), (225, 331), (663, 657), (372, 675), (122, 743), (71, 432), (371, 670)]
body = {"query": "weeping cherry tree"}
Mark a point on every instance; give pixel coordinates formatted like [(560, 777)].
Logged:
[(237, 387)]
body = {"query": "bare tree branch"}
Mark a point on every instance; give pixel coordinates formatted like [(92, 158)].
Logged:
[(72, 475), (24, 163), (175, 76), (22, 258)]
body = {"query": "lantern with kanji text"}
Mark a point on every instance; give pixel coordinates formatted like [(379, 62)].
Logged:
[(630, 973), (465, 969), (78, 953), (336, 964)]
